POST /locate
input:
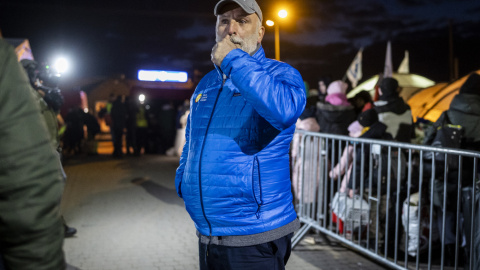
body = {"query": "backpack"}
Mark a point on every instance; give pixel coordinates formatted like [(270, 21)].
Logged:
[(380, 166), (447, 136)]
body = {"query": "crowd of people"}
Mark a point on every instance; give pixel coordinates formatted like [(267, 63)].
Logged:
[(135, 127), (389, 118), (141, 127)]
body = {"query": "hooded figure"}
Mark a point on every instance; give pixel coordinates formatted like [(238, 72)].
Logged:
[(464, 111), (394, 112), (336, 114)]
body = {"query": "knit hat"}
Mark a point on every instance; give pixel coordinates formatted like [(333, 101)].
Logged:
[(337, 87), (471, 85), (337, 99), (389, 88), (368, 118)]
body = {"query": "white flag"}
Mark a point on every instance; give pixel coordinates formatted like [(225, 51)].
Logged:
[(405, 65), (388, 71), (354, 72)]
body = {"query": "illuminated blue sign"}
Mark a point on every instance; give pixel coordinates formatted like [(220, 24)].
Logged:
[(162, 76)]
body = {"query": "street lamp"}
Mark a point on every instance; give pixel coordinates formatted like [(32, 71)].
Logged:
[(282, 14)]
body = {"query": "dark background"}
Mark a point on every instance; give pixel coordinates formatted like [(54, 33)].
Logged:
[(320, 37)]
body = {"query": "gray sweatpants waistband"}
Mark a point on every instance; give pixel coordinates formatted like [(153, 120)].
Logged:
[(252, 239)]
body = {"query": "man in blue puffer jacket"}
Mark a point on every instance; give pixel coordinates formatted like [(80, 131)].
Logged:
[(234, 173)]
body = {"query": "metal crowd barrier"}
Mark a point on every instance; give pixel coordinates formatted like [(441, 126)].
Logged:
[(406, 221)]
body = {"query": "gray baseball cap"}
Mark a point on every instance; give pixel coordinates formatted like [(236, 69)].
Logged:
[(250, 6)]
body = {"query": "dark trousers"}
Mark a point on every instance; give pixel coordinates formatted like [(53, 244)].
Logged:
[(117, 141), (141, 137), (131, 139), (267, 256)]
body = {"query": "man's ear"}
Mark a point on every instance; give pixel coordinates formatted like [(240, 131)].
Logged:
[(261, 33)]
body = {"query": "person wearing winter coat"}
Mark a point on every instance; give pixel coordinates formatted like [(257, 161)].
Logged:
[(50, 101), (344, 167), (336, 114), (308, 122), (31, 230), (394, 112), (234, 173), (464, 111), (362, 102), (372, 129)]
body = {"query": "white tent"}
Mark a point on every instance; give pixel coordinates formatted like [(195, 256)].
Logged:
[(410, 84)]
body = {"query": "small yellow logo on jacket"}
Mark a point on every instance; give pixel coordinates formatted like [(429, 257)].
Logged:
[(198, 97)]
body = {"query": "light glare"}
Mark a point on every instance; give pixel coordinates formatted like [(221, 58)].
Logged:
[(61, 65), (270, 23), (282, 13), (141, 98), (162, 76)]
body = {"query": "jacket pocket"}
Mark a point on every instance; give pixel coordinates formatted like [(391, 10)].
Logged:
[(257, 185)]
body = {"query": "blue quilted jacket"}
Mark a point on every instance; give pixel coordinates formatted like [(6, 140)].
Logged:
[(234, 173)]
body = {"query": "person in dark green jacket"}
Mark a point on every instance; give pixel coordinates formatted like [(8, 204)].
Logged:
[(50, 101), (31, 185)]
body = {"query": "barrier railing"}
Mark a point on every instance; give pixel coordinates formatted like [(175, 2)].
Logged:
[(406, 206)]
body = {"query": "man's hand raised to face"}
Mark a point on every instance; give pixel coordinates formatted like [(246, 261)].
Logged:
[(221, 49)]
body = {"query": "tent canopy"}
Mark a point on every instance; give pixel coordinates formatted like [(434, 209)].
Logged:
[(429, 103), (410, 84)]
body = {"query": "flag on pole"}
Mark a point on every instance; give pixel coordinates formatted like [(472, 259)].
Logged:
[(354, 72), (388, 71), (405, 65)]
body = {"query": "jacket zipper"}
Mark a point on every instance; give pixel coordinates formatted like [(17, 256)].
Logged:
[(201, 157), (259, 203)]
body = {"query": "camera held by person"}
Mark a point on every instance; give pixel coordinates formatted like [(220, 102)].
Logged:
[(45, 81)]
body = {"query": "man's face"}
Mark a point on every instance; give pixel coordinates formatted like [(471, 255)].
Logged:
[(241, 28)]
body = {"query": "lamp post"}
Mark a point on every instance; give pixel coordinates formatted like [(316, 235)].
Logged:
[(282, 14)]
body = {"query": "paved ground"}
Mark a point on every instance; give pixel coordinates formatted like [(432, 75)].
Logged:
[(129, 217)]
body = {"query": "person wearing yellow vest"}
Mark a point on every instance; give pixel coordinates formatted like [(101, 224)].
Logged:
[(142, 130)]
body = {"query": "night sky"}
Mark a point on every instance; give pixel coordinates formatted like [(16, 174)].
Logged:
[(319, 38)]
